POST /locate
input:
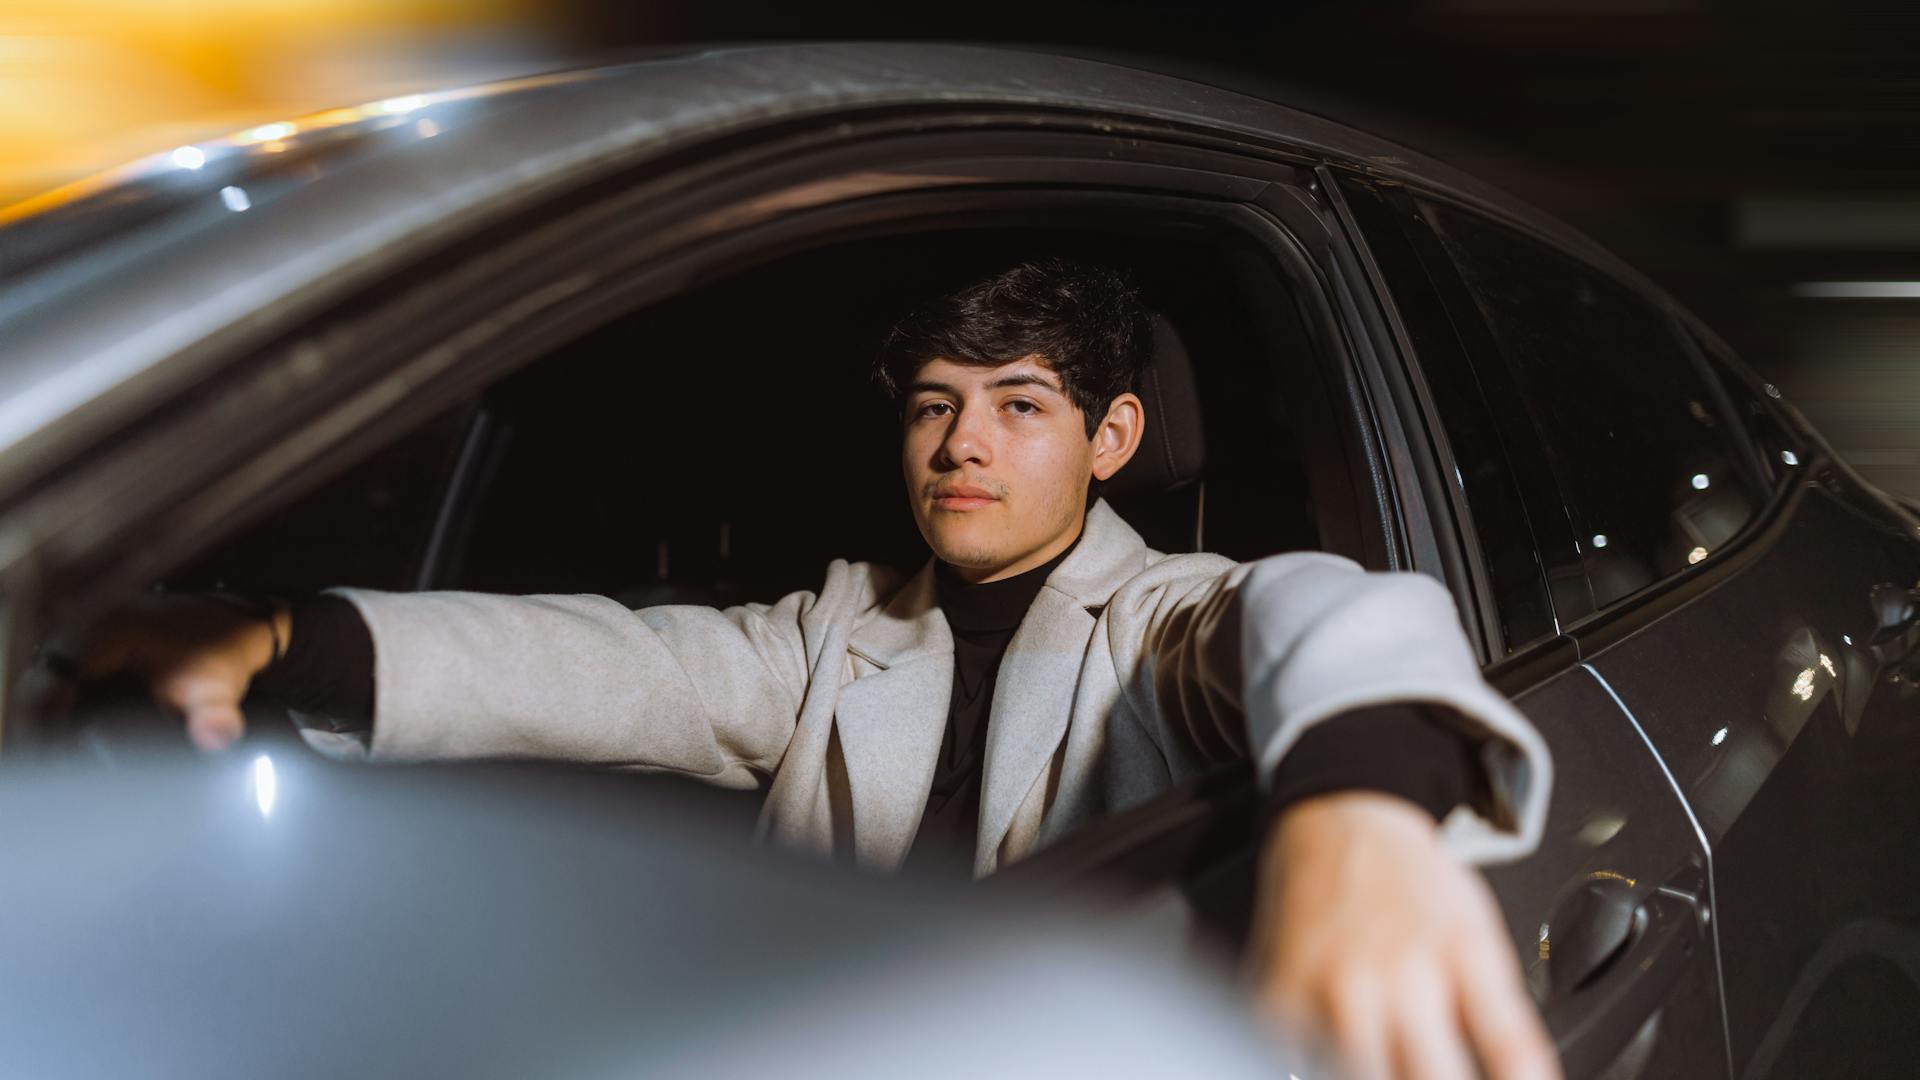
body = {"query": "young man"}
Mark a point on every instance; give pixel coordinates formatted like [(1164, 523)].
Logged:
[(1043, 668)]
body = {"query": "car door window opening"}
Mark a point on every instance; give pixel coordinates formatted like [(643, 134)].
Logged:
[(667, 455)]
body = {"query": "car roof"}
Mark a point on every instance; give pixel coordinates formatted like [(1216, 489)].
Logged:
[(112, 281)]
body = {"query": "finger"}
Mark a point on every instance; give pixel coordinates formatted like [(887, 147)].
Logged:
[(208, 697), (1286, 1013), (1428, 1042), (1500, 1019), (215, 726), (1357, 1025)]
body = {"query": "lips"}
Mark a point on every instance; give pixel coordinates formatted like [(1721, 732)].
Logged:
[(963, 497)]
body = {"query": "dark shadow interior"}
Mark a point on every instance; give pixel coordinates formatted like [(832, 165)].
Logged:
[(725, 444)]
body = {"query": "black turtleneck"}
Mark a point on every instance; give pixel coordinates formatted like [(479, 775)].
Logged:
[(983, 617)]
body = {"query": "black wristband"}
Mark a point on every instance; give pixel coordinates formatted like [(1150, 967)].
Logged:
[(327, 669), (1407, 749), (263, 607)]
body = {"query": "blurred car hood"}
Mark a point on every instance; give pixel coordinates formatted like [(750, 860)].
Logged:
[(274, 914)]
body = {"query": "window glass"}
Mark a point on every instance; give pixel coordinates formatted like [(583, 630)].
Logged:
[(1777, 450), (1649, 465), (1484, 474), (366, 527)]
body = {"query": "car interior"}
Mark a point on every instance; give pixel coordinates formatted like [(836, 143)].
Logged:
[(725, 444)]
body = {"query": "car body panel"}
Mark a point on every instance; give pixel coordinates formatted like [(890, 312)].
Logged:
[(271, 914), (1797, 749), (1615, 816)]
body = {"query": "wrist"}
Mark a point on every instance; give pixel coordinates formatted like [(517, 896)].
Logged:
[(1344, 811), (267, 629)]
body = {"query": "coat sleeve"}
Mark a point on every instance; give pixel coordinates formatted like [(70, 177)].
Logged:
[(696, 690), (1240, 660)]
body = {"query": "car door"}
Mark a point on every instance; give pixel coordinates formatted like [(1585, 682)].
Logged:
[(1747, 601), (1613, 913)]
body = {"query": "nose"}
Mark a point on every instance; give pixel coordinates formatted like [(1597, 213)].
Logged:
[(966, 441)]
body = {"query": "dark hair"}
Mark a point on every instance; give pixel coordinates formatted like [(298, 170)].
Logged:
[(1086, 323)]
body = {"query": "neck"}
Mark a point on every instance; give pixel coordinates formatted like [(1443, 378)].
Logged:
[(1041, 556)]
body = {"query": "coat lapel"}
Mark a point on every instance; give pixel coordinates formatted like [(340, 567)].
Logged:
[(1032, 701), (891, 720), (1040, 674)]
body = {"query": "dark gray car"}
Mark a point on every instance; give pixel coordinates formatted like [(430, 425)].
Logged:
[(578, 333)]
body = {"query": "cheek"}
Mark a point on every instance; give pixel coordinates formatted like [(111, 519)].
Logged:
[(1052, 464), (913, 453)]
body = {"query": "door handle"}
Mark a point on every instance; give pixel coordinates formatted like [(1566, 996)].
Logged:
[(1596, 1010)]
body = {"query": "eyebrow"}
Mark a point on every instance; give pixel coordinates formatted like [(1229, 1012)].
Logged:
[(1020, 379)]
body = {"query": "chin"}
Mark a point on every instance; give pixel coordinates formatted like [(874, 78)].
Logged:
[(958, 547)]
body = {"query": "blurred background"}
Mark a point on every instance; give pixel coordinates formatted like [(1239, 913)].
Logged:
[(1760, 159)]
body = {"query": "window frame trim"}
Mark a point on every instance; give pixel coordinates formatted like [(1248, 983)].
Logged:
[(1424, 414)]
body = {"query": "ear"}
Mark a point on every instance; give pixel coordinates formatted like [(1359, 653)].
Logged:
[(1118, 435)]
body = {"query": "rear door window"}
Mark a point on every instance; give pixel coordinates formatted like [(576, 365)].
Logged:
[(1485, 475), (1649, 464)]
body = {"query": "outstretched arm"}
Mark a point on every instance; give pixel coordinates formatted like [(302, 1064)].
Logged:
[(460, 675), (690, 689), (1371, 931)]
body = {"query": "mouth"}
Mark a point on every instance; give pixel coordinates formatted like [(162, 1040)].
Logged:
[(963, 497)]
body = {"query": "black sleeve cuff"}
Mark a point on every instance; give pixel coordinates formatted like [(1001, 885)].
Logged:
[(1405, 749), (327, 669)]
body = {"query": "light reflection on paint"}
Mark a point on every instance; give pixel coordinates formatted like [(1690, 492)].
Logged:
[(266, 785), (1803, 686), (188, 157), (235, 199), (1700, 481), (1720, 736), (1828, 664), (1600, 828), (269, 132), (1696, 555), (1789, 457), (1599, 540), (398, 105)]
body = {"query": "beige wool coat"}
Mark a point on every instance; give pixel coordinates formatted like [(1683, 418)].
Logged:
[(1132, 671)]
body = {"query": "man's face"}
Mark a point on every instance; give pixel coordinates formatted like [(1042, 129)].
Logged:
[(997, 463)]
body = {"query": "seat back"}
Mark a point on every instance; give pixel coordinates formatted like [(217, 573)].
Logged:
[(1162, 491)]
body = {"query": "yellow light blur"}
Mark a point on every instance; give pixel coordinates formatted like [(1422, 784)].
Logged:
[(93, 83)]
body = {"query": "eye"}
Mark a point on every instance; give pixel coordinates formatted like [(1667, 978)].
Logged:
[(932, 408), (1022, 406)]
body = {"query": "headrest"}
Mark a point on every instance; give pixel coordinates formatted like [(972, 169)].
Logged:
[(1173, 451)]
